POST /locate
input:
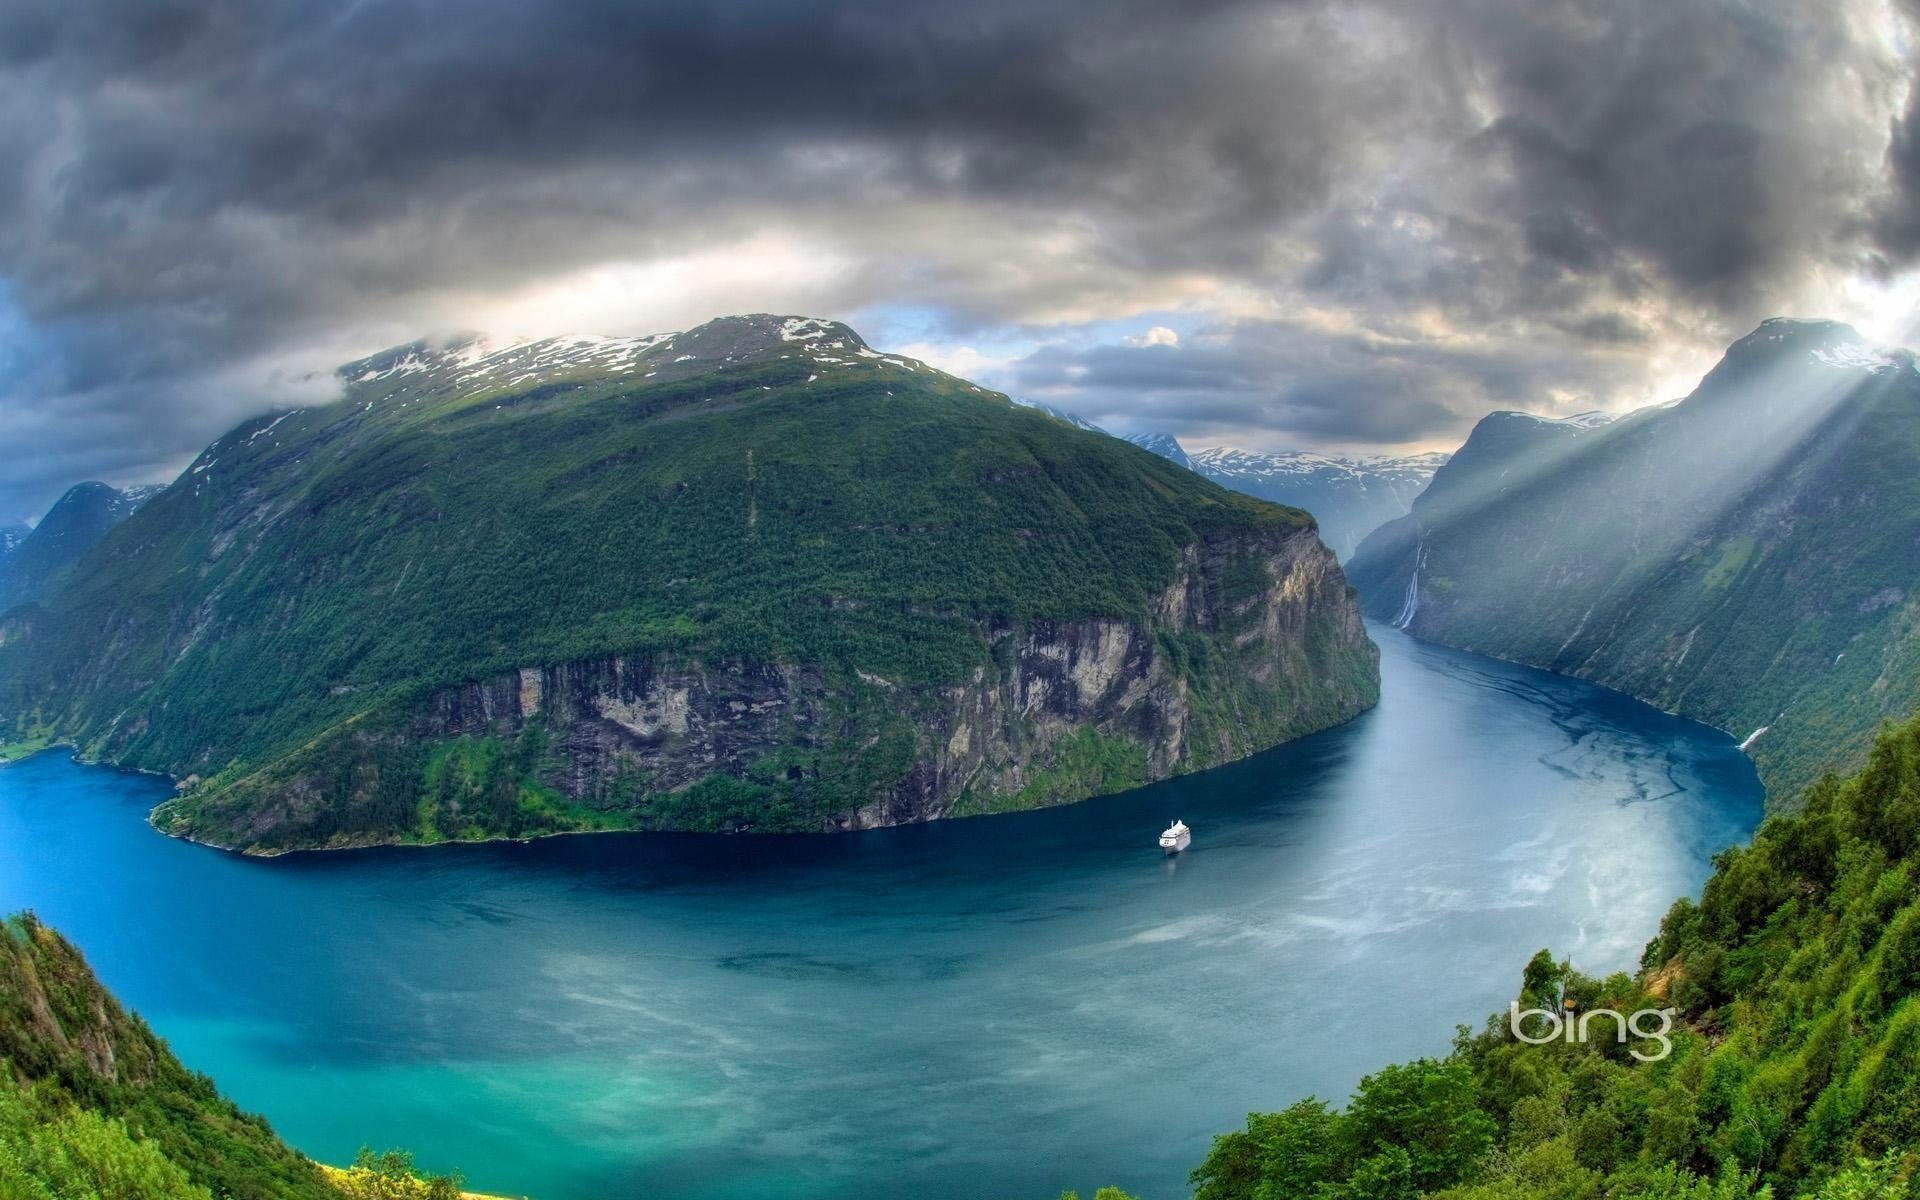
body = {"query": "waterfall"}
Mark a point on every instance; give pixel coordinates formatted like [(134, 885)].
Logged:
[(1412, 603)]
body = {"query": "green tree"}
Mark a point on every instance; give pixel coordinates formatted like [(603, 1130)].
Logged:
[(1431, 1109), (391, 1175)]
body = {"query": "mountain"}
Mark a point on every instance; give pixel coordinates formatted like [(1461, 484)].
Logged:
[(754, 576), (1746, 556), (33, 563), (1350, 497), (10, 538), (1166, 447), (1772, 1046)]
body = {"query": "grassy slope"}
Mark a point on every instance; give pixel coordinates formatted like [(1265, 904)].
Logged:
[(1795, 1064), (312, 579)]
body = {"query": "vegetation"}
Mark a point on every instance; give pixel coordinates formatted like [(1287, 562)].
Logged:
[(391, 1175), (21, 748), (54, 1151), (1793, 1064), (71, 1049)]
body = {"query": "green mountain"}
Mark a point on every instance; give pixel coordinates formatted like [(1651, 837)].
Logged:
[(35, 561), (754, 576), (1747, 556), (1790, 1068)]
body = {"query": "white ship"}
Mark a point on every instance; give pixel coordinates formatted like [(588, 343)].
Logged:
[(1177, 838)]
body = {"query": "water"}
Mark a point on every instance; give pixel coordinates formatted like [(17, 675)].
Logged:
[(1000, 1007)]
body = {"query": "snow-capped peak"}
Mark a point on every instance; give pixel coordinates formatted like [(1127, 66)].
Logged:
[(1253, 462), (474, 364), (1828, 343)]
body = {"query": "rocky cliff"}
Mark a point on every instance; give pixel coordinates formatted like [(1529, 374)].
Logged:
[(1056, 712)]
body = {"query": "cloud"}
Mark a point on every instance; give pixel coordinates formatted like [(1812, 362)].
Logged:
[(1388, 215), (1279, 383)]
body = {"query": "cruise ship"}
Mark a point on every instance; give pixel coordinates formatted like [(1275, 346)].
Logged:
[(1177, 838)]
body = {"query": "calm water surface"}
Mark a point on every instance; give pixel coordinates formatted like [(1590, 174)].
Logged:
[(1000, 1007)]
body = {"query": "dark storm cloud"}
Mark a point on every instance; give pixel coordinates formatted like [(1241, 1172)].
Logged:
[(1899, 224), (194, 194)]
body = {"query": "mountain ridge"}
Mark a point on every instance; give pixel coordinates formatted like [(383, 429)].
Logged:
[(1744, 556)]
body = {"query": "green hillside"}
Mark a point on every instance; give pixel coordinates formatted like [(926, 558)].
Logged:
[(93, 1106), (1747, 557), (1794, 1064), (723, 579)]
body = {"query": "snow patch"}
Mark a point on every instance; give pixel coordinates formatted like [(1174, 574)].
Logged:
[(1856, 357), (802, 329), (268, 428)]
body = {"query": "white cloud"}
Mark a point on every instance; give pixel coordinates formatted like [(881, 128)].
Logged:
[(990, 370)]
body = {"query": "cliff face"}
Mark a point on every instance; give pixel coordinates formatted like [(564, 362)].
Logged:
[(1254, 642)]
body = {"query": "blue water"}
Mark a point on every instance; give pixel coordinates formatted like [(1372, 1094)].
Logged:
[(999, 1007)]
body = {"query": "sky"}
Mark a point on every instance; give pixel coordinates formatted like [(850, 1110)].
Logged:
[(1348, 226)]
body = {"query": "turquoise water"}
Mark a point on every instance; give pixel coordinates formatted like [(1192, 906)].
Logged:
[(1000, 1007)]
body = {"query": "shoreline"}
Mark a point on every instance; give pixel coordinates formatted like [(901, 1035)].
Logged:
[(499, 839), (1768, 800)]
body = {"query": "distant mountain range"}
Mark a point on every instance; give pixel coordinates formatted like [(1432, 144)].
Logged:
[(1749, 556), (36, 560), (1166, 446), (752, 576), (1348, 497)]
